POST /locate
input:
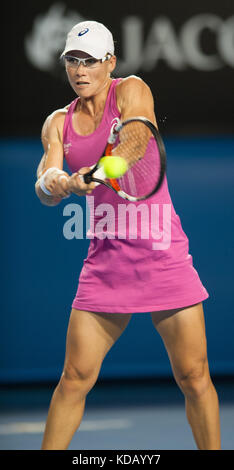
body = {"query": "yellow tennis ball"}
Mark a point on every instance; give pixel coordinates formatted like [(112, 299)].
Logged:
[(114, 166)]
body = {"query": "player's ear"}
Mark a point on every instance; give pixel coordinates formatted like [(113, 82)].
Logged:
[(112, 63)]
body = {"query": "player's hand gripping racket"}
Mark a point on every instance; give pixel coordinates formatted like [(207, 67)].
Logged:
[(137, 141)]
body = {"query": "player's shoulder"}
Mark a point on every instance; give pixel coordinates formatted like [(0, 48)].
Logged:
[(55, 121), (56, 116), (132, 89), (131, 83)]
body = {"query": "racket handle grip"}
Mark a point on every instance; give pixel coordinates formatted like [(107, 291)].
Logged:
[(99, 173)]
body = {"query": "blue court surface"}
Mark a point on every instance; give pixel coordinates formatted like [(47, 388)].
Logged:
[(128, 415)]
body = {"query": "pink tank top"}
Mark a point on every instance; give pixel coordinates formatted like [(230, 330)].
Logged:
[(85, 150)]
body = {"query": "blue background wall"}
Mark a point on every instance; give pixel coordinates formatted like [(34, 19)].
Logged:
[(184, 51), (40, 268)]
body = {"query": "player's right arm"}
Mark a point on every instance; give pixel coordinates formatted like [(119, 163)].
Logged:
[(60, 185), (52, 158)]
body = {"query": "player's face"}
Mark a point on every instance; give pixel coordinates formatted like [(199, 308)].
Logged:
[(89, 81)]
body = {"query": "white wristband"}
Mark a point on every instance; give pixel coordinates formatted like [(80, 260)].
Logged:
[(42, 178), (43, 187)]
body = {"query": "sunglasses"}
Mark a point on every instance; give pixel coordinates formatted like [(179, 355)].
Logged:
[(89, 62)]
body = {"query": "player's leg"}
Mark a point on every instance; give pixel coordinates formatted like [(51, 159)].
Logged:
[(90, 336), (183, 333)]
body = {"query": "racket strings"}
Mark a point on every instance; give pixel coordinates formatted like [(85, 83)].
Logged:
[(137, 145), (132, 142)]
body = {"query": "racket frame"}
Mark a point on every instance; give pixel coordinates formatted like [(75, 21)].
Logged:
[(113, 183)]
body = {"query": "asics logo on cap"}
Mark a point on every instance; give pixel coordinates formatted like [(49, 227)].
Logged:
[(84, 31)]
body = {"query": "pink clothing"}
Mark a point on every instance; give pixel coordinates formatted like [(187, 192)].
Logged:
[(138, 264)]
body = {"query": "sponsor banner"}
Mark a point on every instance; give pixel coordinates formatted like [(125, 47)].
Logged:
[(185, 53)]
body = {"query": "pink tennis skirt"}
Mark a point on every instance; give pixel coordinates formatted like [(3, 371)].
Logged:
[(132, 276)]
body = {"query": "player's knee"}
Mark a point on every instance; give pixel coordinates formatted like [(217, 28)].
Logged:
[(194, 381), (77, 380)]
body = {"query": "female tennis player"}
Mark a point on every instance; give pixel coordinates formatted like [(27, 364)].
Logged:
[(119, 276)]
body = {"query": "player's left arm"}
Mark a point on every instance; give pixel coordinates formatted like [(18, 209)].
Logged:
[(134, 98)]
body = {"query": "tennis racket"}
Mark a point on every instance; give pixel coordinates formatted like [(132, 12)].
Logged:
[(137, 141)]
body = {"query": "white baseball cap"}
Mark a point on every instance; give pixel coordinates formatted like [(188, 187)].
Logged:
[(90, 37)]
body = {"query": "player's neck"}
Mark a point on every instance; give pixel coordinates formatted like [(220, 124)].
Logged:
[(96, 103)]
